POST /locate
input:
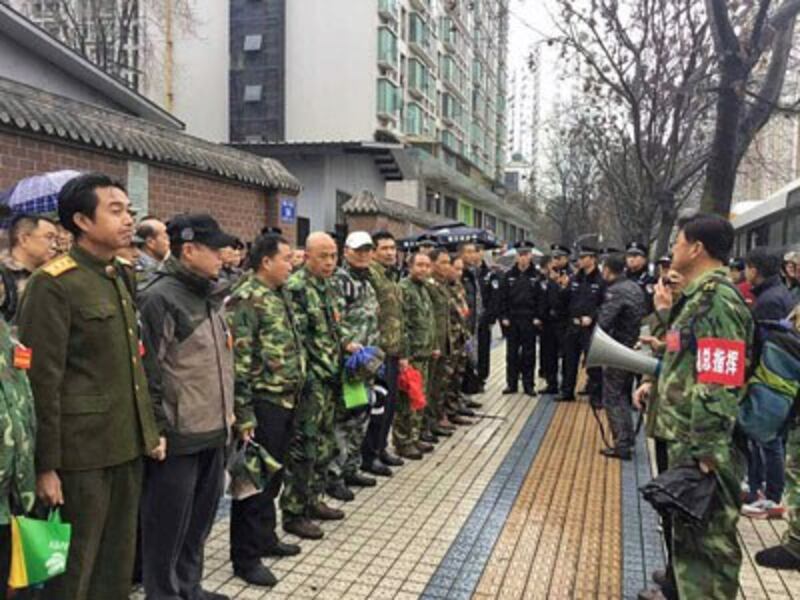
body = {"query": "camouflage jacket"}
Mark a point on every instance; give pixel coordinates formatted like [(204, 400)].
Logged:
[(314, 304), (17, 428), (391, 321), (14, 277), (358, 305), (418, 315), (441, 299), (459, 308), (269, 360), (704, 368)]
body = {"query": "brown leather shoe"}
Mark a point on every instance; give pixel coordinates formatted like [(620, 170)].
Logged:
[(323, 512), (303, 528), (424, 447), (409, 452)]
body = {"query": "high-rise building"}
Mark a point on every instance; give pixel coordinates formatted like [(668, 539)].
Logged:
[(416, 88)]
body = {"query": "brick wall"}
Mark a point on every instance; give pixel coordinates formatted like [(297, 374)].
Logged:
[(242, 210), (369, 223)]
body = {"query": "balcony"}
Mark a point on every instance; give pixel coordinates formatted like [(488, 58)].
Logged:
[(419, 79), (388, 100), (452, 76), (449, 34), (388, 9), (387, 48), (416, 122), (419, 39)]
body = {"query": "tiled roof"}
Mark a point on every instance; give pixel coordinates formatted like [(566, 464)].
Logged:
[(366, 203), (28, 109)]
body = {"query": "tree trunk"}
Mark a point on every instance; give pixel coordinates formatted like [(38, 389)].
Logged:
[(721, 169), (668, 215)]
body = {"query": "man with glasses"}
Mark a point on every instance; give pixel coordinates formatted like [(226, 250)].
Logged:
[(32, 240)]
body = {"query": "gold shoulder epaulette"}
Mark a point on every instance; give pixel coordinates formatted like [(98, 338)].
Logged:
[(59, 266), (124, 261)]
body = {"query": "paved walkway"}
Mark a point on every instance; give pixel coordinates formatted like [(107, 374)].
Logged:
[(519, 505)]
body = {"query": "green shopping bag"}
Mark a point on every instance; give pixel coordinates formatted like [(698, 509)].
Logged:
[(355, 394), (39, 549)]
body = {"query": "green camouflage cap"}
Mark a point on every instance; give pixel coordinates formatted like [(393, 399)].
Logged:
[(250, 467)]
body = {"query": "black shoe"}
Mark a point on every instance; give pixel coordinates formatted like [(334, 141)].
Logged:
[(466, 412), (322, 512), (359, 480), (339, 491), (660, 577), (620, 453), (778, 557), (474, 404), (508, 391), (548, 390), (530, 392), (258, 574), (376, 467), (390, 460), (410, 452), (564, 398), (303, 528), (583, 392), (440, 431), (206, 595), (282, 549), (428, 437), (424, 447), (459, 420)]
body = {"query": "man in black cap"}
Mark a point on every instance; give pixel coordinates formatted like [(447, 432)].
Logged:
[(554, 323), (582, 296), (560, 262), (184, 332), (519, 314), (663, 265), (636, 270)]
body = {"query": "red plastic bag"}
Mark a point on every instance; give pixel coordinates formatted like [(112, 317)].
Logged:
[(409, 381)]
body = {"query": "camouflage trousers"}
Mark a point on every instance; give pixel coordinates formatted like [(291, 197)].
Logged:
[(706, 560), (441, 372), (457, 366), (408, 423), (792, 492), (311, 450), (349, 430)]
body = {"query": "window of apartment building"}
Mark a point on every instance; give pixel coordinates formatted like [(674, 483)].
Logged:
[(450, 207), (512, 233), (252, 93), (478, 218), (252, 43), (403, 20), (387, 46), (389, 102), (414, 119), (490, 223), (433, 202)]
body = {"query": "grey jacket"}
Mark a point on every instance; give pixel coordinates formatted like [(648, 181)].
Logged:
[(622, 311), (188, 359)]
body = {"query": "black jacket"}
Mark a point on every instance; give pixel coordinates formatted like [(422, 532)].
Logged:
[(584, 295), (773, 300), (520, 294), (472, 287), (553, 309), (622, 311), (490, 292), (647, 283)]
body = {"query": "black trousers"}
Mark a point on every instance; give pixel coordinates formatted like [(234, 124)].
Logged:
[(549, 354), (520, 352), (662, 464), (484, 349), (576, 344), (253, 519), (179, 503), (377, 438)]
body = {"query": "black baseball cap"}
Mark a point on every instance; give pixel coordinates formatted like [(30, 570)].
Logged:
[(200, 228)]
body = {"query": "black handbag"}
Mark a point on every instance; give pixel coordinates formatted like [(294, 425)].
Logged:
[(683, 492)]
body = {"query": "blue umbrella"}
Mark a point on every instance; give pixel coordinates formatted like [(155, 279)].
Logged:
[(37, 194)]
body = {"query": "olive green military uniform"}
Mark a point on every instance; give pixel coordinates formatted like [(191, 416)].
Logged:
[(457, 362), (699, 389), (419, 343), (313, 445), (94, 415)]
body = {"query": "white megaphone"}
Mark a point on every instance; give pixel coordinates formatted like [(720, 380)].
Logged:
[(605, 351)]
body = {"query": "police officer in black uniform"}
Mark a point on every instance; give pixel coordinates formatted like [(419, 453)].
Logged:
[(582, 296), (560, 262), (489, 280), (520, 316), (554, 323), (636, 270)]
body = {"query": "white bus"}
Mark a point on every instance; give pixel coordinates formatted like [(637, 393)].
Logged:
[(775, 222)]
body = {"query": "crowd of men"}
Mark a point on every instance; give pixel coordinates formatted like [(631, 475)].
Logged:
[(139, 362)]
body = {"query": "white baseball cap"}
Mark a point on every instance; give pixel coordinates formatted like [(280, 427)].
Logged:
[(358, 239)]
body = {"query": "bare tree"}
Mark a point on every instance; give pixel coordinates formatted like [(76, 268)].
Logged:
[(642, 63), (113, 34), (753, 41)]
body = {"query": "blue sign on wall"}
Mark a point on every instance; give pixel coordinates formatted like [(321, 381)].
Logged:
[(288, 210)]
